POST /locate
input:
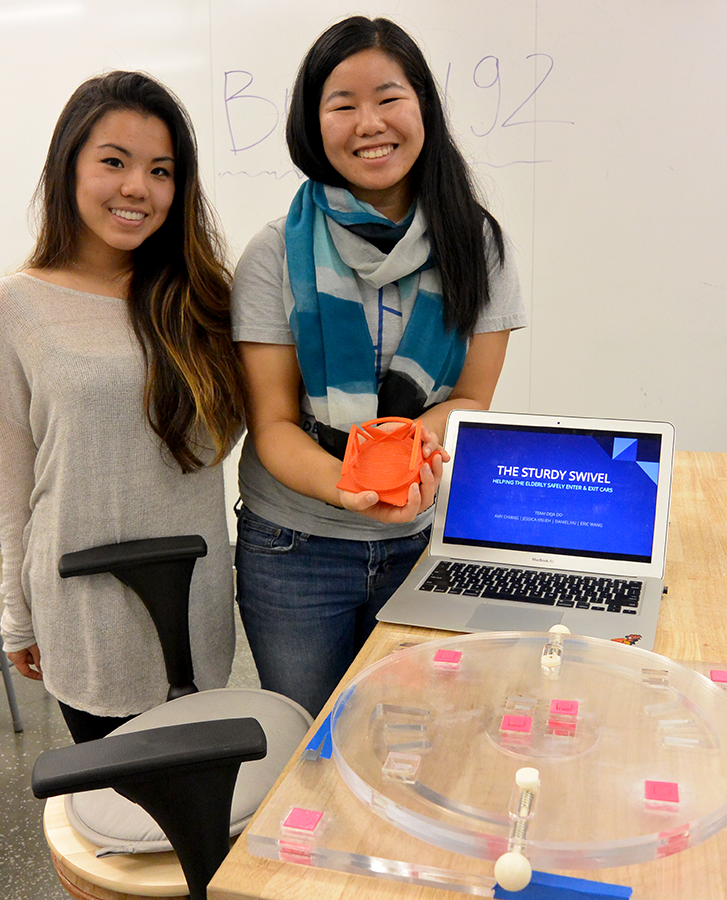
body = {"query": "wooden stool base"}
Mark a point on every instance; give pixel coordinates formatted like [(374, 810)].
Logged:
[(80, 889), (146, 876)]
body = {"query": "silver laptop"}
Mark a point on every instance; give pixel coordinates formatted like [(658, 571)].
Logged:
[(543, 520)]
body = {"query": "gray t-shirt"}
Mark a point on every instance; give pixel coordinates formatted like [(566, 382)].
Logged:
[(258, 315)]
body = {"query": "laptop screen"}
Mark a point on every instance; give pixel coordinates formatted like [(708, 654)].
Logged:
[(570, 491)]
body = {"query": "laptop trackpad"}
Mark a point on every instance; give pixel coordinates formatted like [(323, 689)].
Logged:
[(491, 617)]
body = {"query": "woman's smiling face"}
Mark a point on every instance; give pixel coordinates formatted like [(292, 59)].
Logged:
[(372, 129), (124, 181)]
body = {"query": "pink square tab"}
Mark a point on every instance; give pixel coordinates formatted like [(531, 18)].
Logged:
[(719, 676), (448, 658), (564, 707), (664, 791), (303, 820), (517, 723)]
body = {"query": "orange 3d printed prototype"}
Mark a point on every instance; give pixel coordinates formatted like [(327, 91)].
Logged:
[(383, 460)]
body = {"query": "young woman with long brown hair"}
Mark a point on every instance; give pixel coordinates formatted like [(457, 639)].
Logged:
[(121, 396)]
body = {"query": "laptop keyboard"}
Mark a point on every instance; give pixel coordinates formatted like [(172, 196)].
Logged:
[(534, 586)]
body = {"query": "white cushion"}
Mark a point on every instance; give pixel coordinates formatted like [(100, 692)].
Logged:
[(117, 825)]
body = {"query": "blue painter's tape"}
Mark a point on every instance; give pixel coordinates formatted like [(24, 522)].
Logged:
[(544, 886), (327, 747), (320, 745)]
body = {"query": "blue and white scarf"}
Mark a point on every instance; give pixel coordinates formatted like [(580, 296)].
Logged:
[(325, 310)]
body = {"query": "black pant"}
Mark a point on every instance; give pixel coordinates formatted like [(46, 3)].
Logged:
[(86, 727)]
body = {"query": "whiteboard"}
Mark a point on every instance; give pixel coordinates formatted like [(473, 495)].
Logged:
[(596, 131)]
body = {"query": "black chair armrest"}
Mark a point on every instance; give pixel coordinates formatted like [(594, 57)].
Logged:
[(160, 571), (97, 560), (110, 761), (182, 775)]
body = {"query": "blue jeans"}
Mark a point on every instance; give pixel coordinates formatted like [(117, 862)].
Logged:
[(308, 603)]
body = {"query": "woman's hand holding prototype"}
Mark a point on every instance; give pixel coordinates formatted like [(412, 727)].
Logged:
[(421, 496)]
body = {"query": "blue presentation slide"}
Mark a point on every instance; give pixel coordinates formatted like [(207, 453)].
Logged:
[(576, 493)]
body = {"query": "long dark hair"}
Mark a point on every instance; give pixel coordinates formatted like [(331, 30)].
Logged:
[(440, 177), (179, 295)]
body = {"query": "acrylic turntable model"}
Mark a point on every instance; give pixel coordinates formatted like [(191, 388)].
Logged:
[(550, 750)]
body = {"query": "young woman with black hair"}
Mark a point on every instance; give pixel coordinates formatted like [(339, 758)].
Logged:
[(121, 395), (388, 290)]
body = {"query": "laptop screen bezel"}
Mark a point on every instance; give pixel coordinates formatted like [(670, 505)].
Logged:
[(549, 559)]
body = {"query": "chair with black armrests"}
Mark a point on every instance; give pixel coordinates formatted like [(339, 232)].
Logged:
[(197, 740)]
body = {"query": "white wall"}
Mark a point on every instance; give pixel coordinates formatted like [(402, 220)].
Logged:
[(597, 131)]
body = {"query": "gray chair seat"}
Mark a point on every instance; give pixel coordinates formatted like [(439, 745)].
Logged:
[(116, 825)]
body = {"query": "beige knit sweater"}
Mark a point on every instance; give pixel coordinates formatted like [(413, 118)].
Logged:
[(80, 467)]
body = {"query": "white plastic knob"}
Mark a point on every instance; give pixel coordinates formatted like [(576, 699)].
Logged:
[(559, 629), (527, 779), (512, 871), (551, 659)]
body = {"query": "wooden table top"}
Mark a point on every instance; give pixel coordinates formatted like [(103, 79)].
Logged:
[(692, 626)]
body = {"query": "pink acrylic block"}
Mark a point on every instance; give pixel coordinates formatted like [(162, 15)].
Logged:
[(449, 659), (719, 676), (663, 791), (517, 723), (564, 707), (303, 820)]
